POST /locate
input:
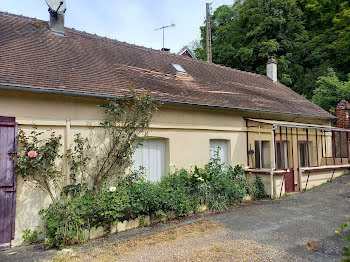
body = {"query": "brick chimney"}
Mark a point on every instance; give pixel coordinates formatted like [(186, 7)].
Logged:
[(342, 112), (271, 68)]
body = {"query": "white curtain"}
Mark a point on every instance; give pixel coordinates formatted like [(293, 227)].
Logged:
[(221, 145), (151, 156)]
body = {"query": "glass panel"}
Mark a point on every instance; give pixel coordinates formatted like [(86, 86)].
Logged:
[(151, 156), (265, 154), (285, 155), (221, 146)]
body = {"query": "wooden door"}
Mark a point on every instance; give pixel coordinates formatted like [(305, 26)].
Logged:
[(8, 148), (289, 181)]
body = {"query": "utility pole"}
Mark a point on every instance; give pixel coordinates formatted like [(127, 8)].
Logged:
[(209, 54), (162, 28)]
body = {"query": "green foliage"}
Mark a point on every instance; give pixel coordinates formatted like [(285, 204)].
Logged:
[(228, 186), (124, 125), (178, 193), (306, 36), (249, 31), (36, 160), (125, 122), (31, 237), (331, 91), (181, 193), (258, 188), (345, 232), (78, 159)]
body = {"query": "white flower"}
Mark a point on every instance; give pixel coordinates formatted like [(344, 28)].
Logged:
[(112, 189), (201, 179)]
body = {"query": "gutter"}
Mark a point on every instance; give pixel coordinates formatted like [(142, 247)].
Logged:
[(107, 96)]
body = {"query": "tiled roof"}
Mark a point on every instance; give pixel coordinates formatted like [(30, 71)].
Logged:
[(30, 55)]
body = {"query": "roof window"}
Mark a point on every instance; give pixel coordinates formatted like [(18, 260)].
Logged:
[(179, 68)]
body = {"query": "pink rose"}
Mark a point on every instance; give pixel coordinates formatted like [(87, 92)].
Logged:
[(32, 154)]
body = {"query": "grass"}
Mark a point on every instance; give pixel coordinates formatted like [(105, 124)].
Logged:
[(201, 241), (123, 249)]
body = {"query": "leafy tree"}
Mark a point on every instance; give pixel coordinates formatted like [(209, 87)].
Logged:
[(327, 24), (331, 91), (307, 37), (246, 33)]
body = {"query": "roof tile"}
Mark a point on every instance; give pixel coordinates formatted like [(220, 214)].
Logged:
[(30, 55)]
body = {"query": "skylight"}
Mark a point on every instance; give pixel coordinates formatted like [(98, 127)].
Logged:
[(179, 68)]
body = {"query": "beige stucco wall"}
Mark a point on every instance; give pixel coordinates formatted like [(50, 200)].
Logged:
[(187, 130), (317, 178)]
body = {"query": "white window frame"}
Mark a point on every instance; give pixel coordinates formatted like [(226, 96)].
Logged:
[(224, 151)]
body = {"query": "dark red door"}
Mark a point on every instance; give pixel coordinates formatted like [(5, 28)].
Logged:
[(8, 148), (289, 181)]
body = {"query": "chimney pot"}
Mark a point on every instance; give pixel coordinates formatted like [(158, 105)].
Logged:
[(57, 23), (271, 68)]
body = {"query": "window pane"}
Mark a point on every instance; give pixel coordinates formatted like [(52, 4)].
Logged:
[(221, 147), (151, 156), (285, 155), (257, 154), (265, 154)]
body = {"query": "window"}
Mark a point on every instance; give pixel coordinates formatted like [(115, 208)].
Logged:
[(219, 145), (303, 154), (340, 144), (179, 68), (151, 156), (265, 154), (284, 153)]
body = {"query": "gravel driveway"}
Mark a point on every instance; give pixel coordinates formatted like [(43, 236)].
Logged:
[(295, 228)]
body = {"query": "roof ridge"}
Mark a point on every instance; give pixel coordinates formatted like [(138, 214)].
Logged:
[(87, 34), (159, 51)]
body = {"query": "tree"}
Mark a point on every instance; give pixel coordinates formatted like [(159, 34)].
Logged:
[(307, 37), (246, 33), (327, 24), (331, 91)]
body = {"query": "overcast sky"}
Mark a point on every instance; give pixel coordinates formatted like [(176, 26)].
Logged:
[(132, 21)]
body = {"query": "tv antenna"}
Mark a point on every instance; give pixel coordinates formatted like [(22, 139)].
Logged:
[(162, 28)]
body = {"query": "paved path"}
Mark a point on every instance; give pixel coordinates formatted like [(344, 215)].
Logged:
[(290, 222), (285, 224)]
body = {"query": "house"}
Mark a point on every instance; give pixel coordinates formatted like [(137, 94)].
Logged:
[(186, 51), (54, 77)]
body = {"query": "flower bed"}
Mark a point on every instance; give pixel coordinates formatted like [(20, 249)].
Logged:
[(137, 202)]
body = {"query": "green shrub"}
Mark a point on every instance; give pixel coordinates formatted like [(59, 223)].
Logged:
[(345, 232), (31, 237), (178, 193), (258, 188), (215, 185), (227, 187)]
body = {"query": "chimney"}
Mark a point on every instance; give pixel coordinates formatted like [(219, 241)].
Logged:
[(271, 68), (57, 10), (342, 112)]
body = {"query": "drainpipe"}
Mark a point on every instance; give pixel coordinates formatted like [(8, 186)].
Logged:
[(260, 147), (274, 160)]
